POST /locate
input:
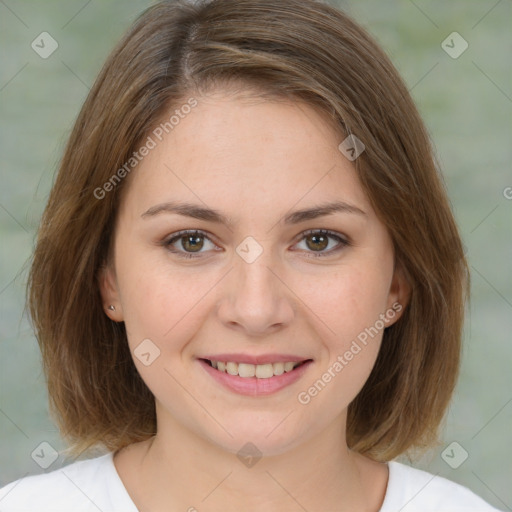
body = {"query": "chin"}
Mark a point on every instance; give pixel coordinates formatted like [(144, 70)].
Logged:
[(255, 436)]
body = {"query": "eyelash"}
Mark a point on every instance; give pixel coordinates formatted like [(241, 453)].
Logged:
[(343, 242)]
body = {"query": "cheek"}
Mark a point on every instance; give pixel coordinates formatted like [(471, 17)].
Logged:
[(166, 309), (346, 300), (154, 303), (161, 302), (349, 304)]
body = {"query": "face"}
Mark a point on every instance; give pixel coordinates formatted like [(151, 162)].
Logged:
[(224, 253)]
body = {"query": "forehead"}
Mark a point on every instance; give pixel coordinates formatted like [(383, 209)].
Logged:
[(242, 152)]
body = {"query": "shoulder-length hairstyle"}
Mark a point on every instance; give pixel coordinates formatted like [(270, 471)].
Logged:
[(301, 50)]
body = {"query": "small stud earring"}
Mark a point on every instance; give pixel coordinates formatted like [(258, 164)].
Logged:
[(111, 307)]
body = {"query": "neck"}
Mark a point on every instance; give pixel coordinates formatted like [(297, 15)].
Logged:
[(180, 470)]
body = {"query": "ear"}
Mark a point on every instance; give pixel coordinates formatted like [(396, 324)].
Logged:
[(109, 291), (399, 294)]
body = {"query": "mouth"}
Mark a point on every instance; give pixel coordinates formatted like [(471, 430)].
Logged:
[(260, 371), (245, 378)]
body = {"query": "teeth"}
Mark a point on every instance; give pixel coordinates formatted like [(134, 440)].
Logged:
[(278, 368), (264, 371), (288, 367), (246, 370), (232, 368), (261, 371)]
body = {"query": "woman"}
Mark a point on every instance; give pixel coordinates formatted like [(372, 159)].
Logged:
[(248, 284)]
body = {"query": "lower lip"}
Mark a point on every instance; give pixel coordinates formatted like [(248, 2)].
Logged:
[(253, 386)]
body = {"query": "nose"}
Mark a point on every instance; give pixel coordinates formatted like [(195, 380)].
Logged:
[(255, 300)]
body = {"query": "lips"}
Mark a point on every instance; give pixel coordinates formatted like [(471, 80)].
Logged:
[(255, 375)]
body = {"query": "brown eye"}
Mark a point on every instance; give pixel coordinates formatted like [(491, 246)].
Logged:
[(317, 242), (192, 243), (189, 244)]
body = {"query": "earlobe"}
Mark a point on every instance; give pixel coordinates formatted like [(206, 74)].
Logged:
[(109, 293), (399, 293)]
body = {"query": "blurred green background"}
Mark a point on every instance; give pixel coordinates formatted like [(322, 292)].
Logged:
[(466, 103)]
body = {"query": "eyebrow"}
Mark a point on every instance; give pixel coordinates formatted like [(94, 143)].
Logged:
[(196, 211)]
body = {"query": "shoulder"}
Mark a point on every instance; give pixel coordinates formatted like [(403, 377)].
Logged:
[(414, 490), (83, 486)]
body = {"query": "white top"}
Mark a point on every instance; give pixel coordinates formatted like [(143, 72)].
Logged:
[(94, 485)]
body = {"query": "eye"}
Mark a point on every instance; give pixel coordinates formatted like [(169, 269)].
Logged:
[(317, 240), (190, 243)]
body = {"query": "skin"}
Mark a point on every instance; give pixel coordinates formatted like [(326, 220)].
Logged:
[(255, 161)]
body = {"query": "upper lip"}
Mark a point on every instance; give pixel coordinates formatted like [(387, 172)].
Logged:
[(256, 359)]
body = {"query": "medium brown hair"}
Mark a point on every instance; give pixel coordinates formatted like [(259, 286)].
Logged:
[(297, 49)]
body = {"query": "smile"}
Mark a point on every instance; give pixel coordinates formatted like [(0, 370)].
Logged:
[(260, 371), (255, 379)]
